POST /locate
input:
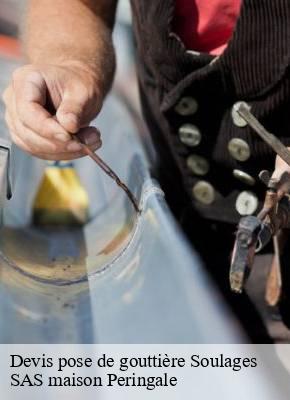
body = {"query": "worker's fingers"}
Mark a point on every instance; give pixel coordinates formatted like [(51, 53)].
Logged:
[(15, 137), (30, 95), (10, 123), (54, 157), (67, 156), (90, 136), (278, 173), (33, 141), (41, 152), (77, 108), (45, 104), (6, 95), (34, 144), (32, 115), (41, 145), (281, 167), (30, 86), (44, 148)]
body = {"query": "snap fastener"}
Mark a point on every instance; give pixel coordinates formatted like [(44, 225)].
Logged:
[(239, 149), (186, 106), (189, 135), (197, 165), (244, 177), (246, 203), (204, 192), (237, 119)]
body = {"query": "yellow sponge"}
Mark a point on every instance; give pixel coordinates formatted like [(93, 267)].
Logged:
[(61, 198)]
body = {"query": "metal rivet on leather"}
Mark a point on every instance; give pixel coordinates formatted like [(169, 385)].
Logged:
[(186, 106), (198, 165), (239, 149), (189, 135), (246, 203), (204, 192), (244, 177)]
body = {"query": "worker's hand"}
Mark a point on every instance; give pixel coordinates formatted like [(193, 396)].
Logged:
[(280, 168), (47, 103), (281, 175)]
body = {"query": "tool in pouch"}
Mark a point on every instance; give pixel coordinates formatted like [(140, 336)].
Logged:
[(254, 232)]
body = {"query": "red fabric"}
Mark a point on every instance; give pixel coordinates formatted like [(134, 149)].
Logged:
[(206, 25)]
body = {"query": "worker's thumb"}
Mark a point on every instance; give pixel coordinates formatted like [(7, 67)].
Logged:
[(70, 113)]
